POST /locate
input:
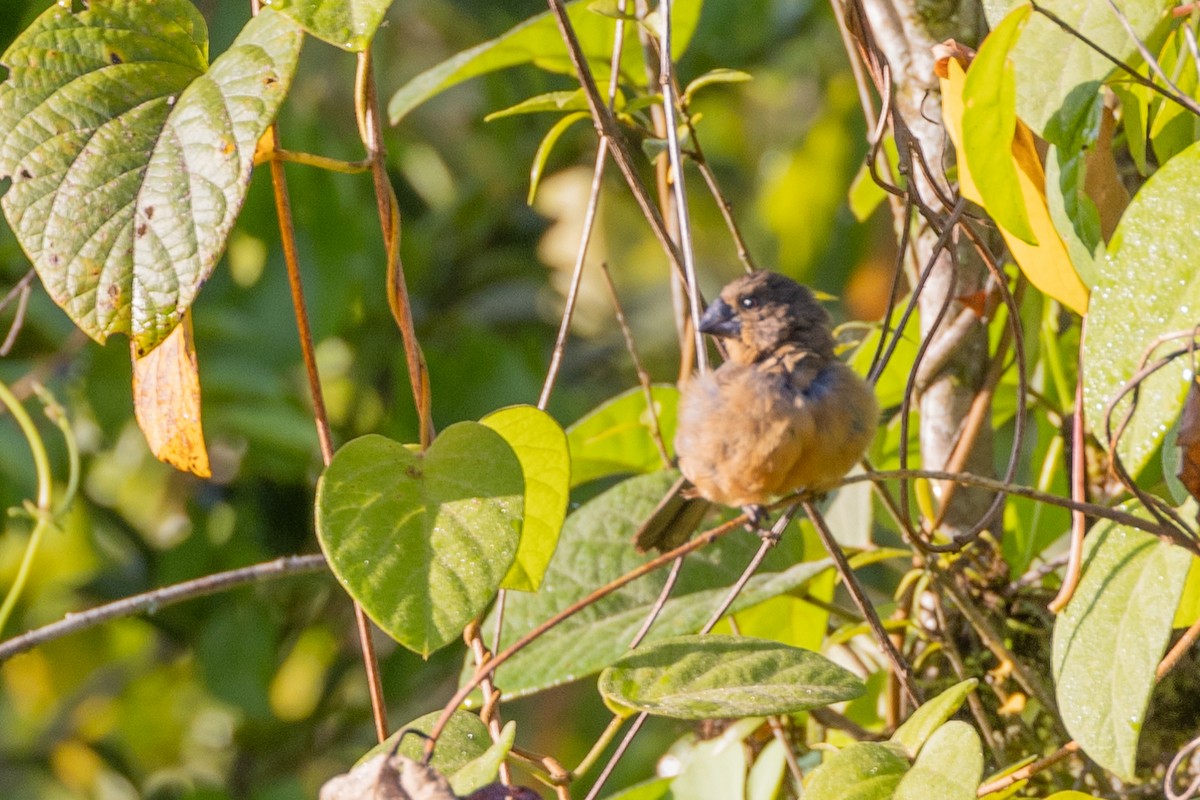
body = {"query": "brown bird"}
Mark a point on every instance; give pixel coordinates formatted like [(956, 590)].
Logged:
[(781, 414)]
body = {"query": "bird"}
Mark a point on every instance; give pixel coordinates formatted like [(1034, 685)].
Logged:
[(782, 413)]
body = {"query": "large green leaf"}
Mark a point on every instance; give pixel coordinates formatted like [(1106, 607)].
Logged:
[(541, 447), (348, 24), (1149, 286), (862, 771), (1108, 640), (537, 41), (1052, 65), (617, 436), (709, 677), (129, 160), (422, 540), (595, 548), (949, 767)]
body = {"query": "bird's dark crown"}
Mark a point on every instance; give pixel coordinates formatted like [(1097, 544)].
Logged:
[(763, 311)]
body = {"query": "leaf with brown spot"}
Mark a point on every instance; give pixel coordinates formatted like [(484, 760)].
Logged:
[(166, 401)]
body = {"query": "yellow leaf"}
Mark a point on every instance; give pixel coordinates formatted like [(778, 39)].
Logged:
[(166, 401), (1046, 264)]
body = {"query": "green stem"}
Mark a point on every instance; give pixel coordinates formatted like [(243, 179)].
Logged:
[(599, 746), (42, 518)]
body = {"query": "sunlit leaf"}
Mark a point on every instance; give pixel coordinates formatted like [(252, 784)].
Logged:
[(999, 165), (949, 767), (546, 147), (989, 124), (166, 401), (767, 772), (130, 157), (917, 729), (550, 101), (1052, 64), (1108, 640), (617, 437), (541, 447), (1151, 257), (1135, 116), (348, 24), (713, 77), (862, 771), (537, 41), (422, 540), (706, 677)]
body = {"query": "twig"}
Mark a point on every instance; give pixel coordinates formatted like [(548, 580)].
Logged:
[(1029, 769), (585, 237), (1136, 76), (606, 127), (659, 603), (852, 585), (369, 126), (151, 601), (768, 541), (18, 318), (1171, 659), (643, 376), (1078, 492), (666, 83), (627, 740)]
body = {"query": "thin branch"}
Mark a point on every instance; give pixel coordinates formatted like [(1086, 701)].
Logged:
[(768, 541), (643, 376), (627, 740), (1136, 76), (606, 126), (152, 601), (901, 667), (585, 237), (1029, 769)]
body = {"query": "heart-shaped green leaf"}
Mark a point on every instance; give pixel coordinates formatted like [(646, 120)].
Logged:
[(705, 677), (422, 540), (541, 446), (130, 157)]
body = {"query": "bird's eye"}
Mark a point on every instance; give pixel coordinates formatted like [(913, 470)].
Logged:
[(748, 302)]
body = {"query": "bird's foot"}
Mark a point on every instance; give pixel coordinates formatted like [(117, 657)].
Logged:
[(756, 518)]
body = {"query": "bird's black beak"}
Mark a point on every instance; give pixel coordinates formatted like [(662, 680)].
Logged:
[(720, 320)]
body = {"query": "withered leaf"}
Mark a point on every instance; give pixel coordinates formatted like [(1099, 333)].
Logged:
[(387, 777), (1189, 442), (166, 400)]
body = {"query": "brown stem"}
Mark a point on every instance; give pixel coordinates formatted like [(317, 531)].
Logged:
[(151, 601)]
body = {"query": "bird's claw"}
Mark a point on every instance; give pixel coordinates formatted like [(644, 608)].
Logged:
[(756, 516)]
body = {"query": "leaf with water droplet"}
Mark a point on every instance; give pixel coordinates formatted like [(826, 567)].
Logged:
[(1146, 281)]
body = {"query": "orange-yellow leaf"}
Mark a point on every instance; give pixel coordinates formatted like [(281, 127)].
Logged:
[(1046, 264), (166, 401)]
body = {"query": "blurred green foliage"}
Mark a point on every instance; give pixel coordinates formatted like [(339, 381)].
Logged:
[(259, 693)]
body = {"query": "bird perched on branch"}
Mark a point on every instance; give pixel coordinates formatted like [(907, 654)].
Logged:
[(781, 414)]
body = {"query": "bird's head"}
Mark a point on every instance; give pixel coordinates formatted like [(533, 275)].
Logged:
[(759, 312)]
